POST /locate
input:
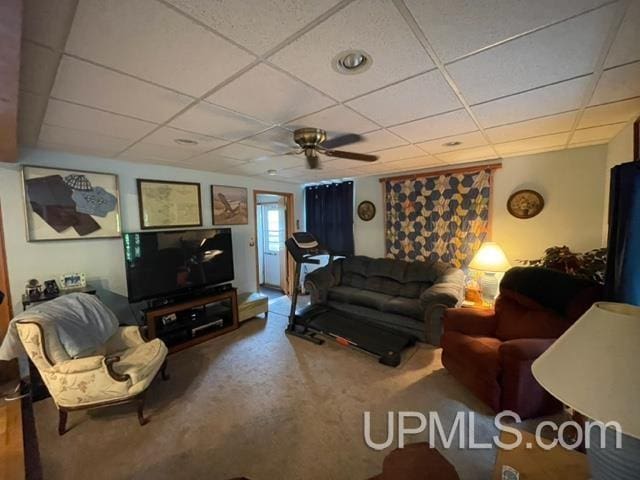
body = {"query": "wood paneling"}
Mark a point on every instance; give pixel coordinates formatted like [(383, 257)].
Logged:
[(8, 370), (12, 465), (10, 30)]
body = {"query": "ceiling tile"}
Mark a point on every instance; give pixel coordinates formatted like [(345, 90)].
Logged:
[(88, 84), (562, 122), (534, 151), (47, 22), (556, 53), (31, 109), (37, 68), (605, 132), (422, 96), (237, 151), (210, 120), (588, 144), (334, 164), (526, 145), (562, 97), (373, 25), (467, 155), (378, 140), (456, 28), (259, 25), (626, 46), (276, 139), (398, 153), (617, 84), (68, 115), (81, 141), (269, 95), (166, 136), (439, 126), (212, 161), (336, 120), (149, 40), (150, 152), (467, 140), (277, 163), (610, 113)]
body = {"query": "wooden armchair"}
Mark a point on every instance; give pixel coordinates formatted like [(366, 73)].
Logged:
[(120, 373)]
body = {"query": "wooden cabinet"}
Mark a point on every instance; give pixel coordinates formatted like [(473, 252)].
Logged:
[(184, 324)]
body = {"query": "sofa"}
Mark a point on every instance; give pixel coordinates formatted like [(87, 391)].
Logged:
[(408, 297), (491, 351)]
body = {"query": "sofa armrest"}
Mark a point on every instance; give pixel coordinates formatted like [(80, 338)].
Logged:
[(79, 365), (470, 321), (524, 349), (448, 294), (318, 282)]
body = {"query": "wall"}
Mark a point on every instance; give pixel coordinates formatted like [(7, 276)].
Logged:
[(619, 150), (571, 182), (102, 259)]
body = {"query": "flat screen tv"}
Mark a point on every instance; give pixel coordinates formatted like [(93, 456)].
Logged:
[(167, 263)]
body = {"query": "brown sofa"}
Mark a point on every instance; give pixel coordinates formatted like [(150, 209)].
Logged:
[(491, 351)]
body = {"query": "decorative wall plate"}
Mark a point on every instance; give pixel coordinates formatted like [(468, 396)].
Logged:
[(525, 204), (366, 210)]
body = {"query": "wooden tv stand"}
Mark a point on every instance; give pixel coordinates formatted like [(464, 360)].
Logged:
[(195, 315)]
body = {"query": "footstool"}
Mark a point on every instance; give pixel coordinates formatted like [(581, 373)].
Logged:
[(251, 305), (416, 461)]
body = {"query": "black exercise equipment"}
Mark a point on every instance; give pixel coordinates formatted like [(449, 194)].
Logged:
[(315, 320)]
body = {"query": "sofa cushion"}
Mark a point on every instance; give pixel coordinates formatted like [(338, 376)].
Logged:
[(356, 296), (409, 307), (387, 268)]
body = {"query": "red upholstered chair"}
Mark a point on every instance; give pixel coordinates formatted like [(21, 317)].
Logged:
[(491, 351)]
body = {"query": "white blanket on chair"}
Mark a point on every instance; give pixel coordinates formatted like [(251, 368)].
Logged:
[(82, 321)]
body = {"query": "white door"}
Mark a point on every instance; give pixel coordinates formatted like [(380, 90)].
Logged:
[(273, 243)]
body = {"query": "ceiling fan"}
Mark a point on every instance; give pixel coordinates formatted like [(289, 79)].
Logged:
[(313, 141)]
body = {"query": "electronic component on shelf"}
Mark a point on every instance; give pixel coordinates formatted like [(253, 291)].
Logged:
[(218, 323)]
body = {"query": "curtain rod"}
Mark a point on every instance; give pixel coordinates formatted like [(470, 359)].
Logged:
[(434, 173)]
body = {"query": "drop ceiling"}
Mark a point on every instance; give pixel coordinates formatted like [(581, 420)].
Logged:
[(494, 78)]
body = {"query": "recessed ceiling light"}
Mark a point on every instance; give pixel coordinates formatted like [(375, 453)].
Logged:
[(452, 144), (271, 172), (185, 141), (351, 62)]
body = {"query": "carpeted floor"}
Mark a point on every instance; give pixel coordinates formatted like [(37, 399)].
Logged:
[(260, 404)]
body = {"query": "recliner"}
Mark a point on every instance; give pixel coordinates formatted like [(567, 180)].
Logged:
[(491, 351)]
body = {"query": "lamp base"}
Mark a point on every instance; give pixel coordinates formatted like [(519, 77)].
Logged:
[(489, 283), (610, 463)]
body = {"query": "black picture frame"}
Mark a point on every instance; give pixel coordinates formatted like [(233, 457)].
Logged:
[(143, 209)]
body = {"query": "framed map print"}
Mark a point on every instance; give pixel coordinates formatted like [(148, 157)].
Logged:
[(165, 204), (63, 204), (230, 206)]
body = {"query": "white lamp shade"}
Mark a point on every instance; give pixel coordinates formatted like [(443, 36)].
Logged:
[(594, 366), (490, 258)]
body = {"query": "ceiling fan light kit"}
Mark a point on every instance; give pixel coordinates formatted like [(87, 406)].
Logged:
[(313, 141)]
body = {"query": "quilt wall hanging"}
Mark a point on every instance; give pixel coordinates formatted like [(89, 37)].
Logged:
[(441, 217)]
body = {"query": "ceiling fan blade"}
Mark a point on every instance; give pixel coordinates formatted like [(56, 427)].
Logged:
[(350, 155), (342, 140)]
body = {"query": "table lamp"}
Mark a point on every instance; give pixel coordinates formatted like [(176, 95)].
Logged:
[(593, 368), (489, 259)]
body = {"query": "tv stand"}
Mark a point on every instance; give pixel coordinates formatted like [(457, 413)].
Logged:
[(186, 323)]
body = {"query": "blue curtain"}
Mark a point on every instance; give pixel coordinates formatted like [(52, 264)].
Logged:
[(622, 281), (329, 215)]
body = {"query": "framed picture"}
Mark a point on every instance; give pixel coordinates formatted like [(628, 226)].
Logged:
[(65, 204), (230, 206), (165, 204)]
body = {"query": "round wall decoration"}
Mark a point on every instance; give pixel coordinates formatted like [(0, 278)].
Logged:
[(525, 204), (366, 210)]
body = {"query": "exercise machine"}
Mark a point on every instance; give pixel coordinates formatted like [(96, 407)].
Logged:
[(315, 321)]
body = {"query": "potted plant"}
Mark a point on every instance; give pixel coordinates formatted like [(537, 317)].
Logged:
[(589, 265)]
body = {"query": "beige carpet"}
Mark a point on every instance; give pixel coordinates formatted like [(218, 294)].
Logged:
[(260, 404)]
